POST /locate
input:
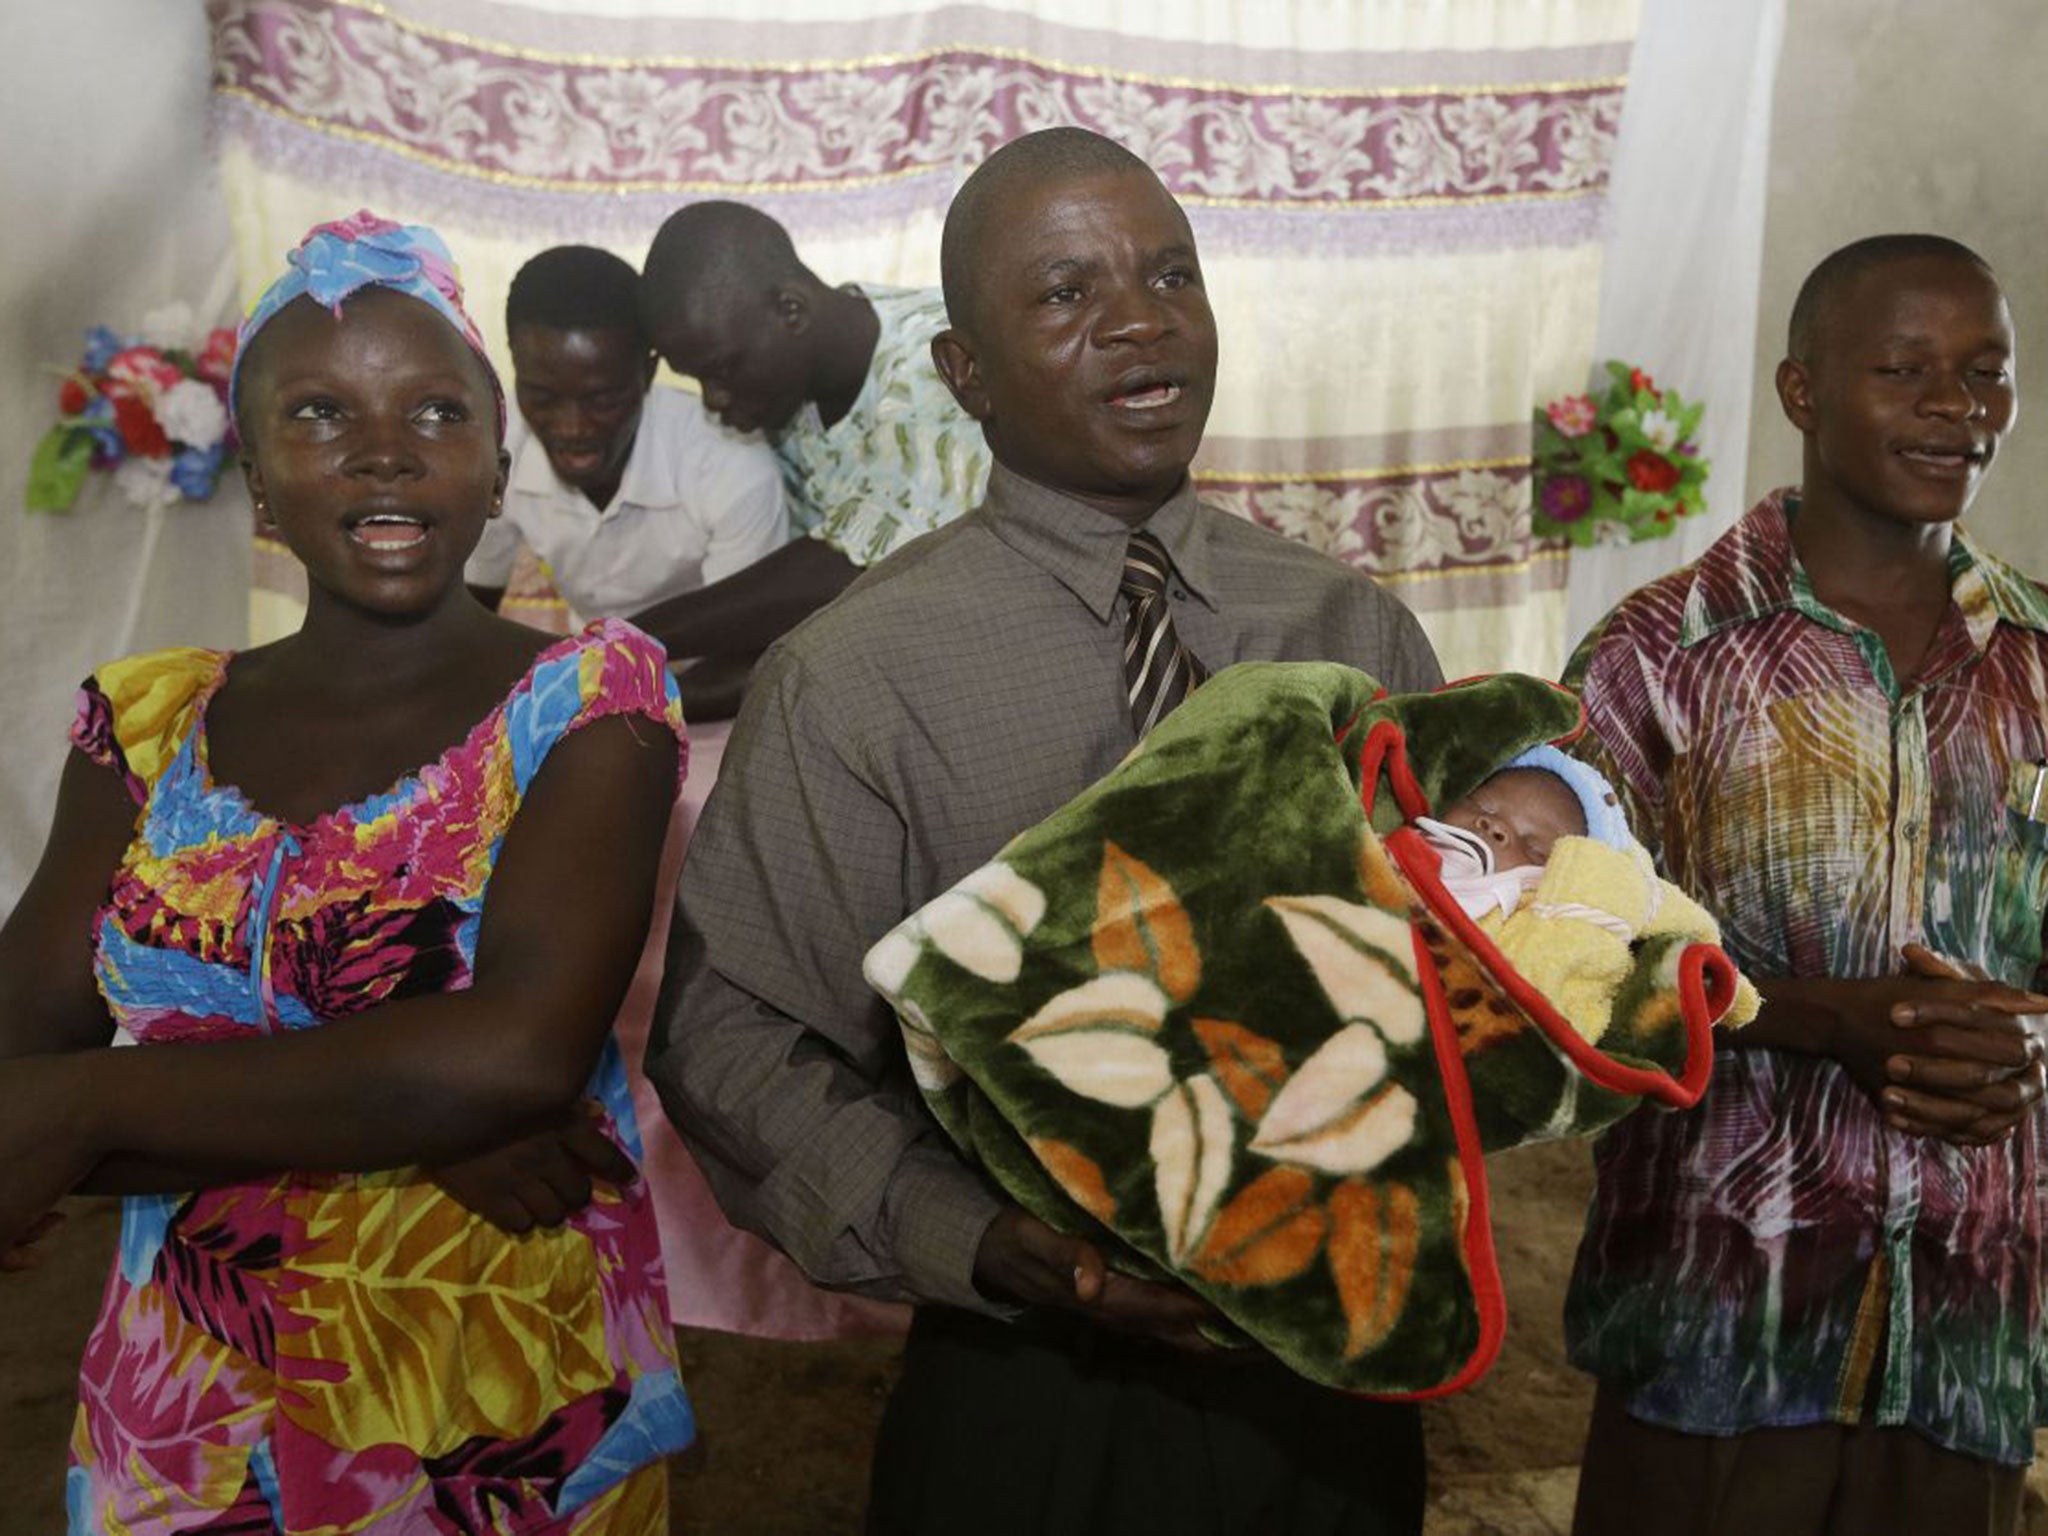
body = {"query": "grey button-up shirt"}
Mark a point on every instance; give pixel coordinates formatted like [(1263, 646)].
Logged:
[(956, 694)]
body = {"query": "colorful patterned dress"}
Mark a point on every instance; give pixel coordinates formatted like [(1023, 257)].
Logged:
[(357, 1352)]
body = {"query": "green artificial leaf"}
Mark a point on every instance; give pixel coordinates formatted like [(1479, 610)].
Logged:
[(58, 469)]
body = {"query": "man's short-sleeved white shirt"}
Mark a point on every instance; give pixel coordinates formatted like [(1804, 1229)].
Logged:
[(696, 503)]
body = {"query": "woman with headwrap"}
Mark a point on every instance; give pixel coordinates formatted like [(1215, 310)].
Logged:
[(382, 885)]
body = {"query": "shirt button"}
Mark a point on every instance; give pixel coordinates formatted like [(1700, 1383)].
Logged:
[(1179, 596)]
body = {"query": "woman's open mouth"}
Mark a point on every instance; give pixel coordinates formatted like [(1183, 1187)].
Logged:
[(388, 531)]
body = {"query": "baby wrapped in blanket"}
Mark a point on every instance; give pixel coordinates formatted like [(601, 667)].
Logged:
[(1540, 856), (1224, 1014)]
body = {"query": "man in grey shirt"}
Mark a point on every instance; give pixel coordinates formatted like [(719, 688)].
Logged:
[(957, 693)]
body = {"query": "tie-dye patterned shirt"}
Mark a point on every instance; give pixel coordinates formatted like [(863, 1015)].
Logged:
[(1779, 1255), (904, 459), (356, 1352)]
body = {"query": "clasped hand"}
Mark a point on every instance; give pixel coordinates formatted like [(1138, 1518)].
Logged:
[(1948, 1052), (539, 1180), (1022, 1260)]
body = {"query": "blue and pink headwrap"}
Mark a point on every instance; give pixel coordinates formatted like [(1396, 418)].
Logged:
[(363, 251)]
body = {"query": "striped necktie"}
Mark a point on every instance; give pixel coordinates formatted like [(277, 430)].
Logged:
[(1159, 670)]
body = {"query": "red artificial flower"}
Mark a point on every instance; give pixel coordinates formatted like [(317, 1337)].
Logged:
[(216, 359), (72, 396), (144, 367), (1637, 379), (138, 427), (1652, 472)]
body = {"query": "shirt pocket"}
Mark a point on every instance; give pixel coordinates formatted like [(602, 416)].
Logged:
[(2021, 894)]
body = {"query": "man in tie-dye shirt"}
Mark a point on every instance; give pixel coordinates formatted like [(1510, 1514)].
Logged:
[(874, 449), (1816, 1302)]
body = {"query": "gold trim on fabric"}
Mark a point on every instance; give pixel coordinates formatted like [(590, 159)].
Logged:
[(840, 184), (1384, 472), (940, 50), (1366, 205), (1452, 572)]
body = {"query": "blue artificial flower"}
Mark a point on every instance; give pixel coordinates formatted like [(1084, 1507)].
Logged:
[(98, 419), (100, 346), (194, 471)]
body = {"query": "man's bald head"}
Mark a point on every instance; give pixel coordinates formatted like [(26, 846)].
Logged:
[(1839, 272), (1051, 154), (707, 254)]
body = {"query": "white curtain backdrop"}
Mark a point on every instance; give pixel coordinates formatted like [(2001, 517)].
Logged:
[(1678, 293), (111, 209)]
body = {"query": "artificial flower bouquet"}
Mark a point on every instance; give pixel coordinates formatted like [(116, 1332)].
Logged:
[(1619, 467), (151, 408)]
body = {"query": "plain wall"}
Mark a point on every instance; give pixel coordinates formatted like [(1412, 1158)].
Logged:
[(111, 208), (1894, 116)]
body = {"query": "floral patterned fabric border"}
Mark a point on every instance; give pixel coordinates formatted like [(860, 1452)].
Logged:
[(1475, 518), (685, 127), (1401, 234)]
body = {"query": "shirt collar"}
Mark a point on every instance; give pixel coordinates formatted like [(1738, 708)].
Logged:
[(646, 481), (1752, 572), (1745, 575), (1083, 549), (1989, 590)]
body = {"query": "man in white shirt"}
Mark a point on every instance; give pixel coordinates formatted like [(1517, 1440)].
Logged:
[(631, 495)]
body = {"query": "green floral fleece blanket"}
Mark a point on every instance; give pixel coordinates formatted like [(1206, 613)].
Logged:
[(1219, 1015)]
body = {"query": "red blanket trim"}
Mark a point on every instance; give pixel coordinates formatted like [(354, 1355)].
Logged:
[(1482, 1263), (1386, 750), (1706, 988)]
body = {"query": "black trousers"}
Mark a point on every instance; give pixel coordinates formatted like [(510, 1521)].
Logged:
[(1054, 1428)]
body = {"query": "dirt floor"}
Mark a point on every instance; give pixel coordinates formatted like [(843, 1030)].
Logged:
[(786, 1428)]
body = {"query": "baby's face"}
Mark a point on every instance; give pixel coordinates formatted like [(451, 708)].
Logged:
[(1521, 812)]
